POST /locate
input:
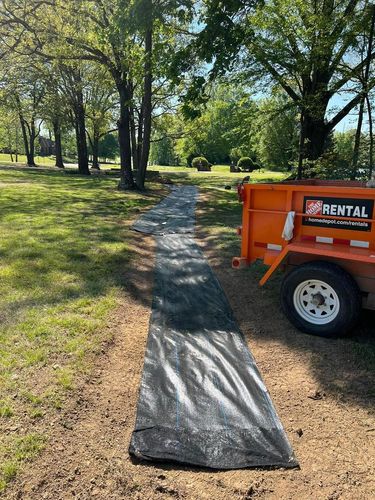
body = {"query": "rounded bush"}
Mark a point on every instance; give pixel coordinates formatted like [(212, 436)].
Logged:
[(246, 164), (201, 163)]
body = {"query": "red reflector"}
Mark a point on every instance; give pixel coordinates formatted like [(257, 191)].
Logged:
[(339, 241), (241, 192)]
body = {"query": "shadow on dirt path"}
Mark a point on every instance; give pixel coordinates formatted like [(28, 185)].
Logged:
[(321, 390)]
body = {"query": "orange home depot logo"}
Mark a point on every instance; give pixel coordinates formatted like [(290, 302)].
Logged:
[(314, 207)]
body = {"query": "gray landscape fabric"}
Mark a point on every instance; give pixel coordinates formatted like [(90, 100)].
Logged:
[(202, 400)]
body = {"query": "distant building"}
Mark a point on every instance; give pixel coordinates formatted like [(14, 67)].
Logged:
[(47, 147)]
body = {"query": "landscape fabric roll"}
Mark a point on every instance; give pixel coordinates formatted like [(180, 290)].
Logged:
[(202, 400)]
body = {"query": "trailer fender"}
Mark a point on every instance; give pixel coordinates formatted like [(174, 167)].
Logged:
[(320, 250)]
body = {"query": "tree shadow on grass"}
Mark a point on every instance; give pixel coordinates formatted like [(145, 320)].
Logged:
[(65, 238)]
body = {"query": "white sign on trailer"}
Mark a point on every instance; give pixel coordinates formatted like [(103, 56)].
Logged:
[(338, 207)]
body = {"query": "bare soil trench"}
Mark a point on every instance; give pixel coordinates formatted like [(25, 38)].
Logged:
[(322, 393)]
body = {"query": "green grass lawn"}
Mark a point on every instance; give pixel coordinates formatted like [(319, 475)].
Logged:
[(218, 179), (221, 170), (64, 246), (43, 161), (63, 251)]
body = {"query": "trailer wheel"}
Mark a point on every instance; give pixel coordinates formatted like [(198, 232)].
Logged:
[(321, 298)]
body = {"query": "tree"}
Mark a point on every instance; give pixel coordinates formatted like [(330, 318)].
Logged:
[(122, 36), (277, 131), (371, 136), (224, 129), (10, 133), (336, 162), (167, 129), (72, 85), (101, 105), (23, 94), (108, 147), (55, 109), (364, 77), (303, 46)]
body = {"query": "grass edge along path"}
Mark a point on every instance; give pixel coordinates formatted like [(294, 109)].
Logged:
[(63, 243), (64, 246)]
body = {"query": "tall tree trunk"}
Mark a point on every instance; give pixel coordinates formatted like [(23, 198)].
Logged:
[(58, 145), (365, 80), (134, 140), (24, 129), (140, 134), (28, 135), (32, 137), (301, 149), (126, 179), (17, 145), (371, 134), (77, 136), (83, 157), (95, 152), (147, 105), (367, 73), (24, 136), (316, 134), (357, 141), (10, 144)]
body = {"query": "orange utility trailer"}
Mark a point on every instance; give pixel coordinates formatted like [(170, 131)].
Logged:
[(322, 233)]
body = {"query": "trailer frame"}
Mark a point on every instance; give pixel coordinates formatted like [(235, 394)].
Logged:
[(348, 241)]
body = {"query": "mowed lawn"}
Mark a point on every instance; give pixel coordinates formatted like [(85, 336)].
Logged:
[(64, 248), (220, 176), (222, 170), (43, 161), (219, 173), (63, 251)]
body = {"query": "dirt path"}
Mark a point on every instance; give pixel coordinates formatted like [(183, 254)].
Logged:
[(322, 395)]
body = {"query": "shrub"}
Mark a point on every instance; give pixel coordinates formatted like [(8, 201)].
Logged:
[(201, 163), (247, 164)]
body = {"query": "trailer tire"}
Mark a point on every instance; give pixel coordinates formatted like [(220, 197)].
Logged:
[(320, 298)]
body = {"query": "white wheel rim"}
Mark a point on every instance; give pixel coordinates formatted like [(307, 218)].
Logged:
[(316, 302)]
